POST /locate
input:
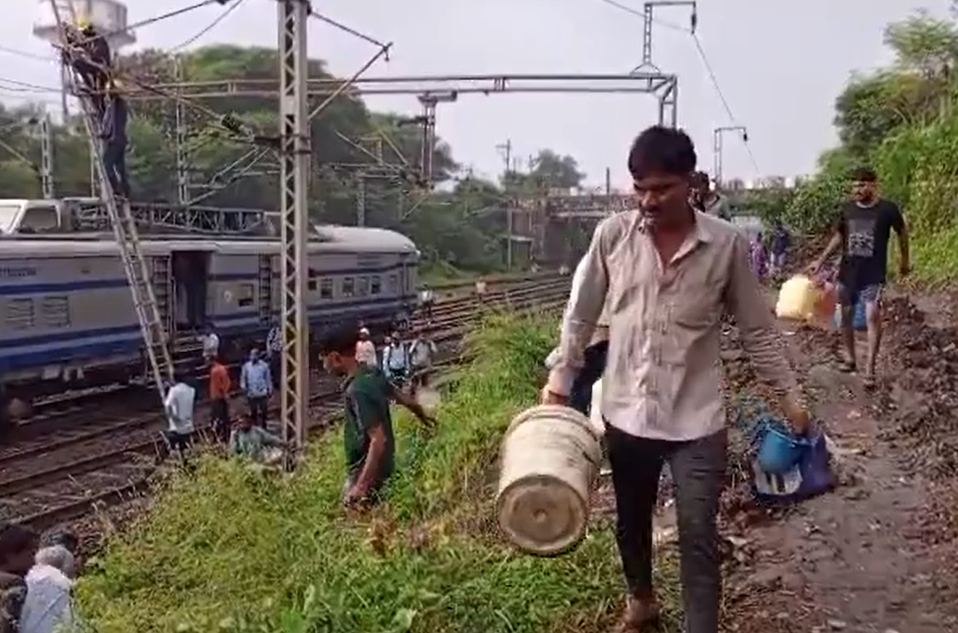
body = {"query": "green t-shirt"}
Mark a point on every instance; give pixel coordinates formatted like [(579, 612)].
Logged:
[(367, 404)]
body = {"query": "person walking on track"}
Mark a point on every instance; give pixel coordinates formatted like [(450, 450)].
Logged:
[(668, 273), (256, 382), (219, 399), (426, 301), (862, 233), (179, 404)]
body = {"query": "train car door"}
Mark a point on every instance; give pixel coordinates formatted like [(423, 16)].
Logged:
[(191, 270)]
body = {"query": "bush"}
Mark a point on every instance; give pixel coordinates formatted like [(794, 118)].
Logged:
[(231, 550), (919, 170)]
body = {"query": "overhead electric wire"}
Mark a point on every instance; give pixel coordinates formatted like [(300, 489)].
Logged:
[(705, 63), (641, 14), (209, 27), (721, 96)]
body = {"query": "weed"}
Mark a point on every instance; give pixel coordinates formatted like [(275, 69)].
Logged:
[(231, 550)]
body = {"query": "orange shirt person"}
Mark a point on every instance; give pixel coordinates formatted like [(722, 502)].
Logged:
[(219, 394)]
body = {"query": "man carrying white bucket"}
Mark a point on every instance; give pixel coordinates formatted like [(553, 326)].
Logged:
[(668, 273)]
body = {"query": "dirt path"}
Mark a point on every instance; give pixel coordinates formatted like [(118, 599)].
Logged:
[(877, 554)]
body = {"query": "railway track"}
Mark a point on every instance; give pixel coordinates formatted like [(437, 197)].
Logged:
[(50, 480), (64, 411)]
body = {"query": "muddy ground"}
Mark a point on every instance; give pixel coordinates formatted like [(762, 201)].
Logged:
[(879, 554)]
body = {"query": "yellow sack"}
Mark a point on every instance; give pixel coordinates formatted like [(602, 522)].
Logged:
[(798, 299)]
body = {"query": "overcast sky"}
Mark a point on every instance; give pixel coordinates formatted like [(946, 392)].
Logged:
[(780, 65)]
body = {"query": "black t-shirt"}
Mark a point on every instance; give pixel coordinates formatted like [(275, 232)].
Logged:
[(865, 233)]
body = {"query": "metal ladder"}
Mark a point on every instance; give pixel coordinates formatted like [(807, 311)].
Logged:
[(136, 266), (265, 287)]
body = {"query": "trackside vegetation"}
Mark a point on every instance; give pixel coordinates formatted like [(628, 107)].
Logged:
[(231, 550)]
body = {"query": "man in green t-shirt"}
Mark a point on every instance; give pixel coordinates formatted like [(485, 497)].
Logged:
[(368, 432)]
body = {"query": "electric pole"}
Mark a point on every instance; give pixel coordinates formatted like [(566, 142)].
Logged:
[(361, 199), (648, 16), (506, 150), (294, 155), (46, 157), (717, 147), (180, 136)]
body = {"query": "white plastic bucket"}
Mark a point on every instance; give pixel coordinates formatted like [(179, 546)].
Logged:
[(550, 461)]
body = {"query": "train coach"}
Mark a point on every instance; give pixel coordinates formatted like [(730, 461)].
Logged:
[(67, 318)]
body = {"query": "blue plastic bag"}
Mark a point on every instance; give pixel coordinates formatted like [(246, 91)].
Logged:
[(811, 477), (859, 323)]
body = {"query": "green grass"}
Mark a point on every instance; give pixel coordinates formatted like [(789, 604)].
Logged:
[(231, 550)]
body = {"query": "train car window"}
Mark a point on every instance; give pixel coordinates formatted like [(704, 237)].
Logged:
[(55, 311), (349, 286), (362, 286), (375, 285), (393, 284), (19, 314), (313, 276), (245, 295), (39, 220), (326, 288)]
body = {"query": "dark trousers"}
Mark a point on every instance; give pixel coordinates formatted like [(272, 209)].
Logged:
[(580, 398), (427, 310), (257, 410), (220, 415), (178, 441), (276, 368), (698, 473), (114, 159)]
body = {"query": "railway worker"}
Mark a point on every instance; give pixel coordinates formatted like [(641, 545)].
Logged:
[(49, 606), (114, 136), (251, 442), (426, 301), (421, 353), (76, 55), (480, 289), (396, 359), (256, 381), (367, 433), (18, 544), (274, 353), (662, 394), (366, 350), (180, 402), (220, 388), (707, 200), (211, 344), (862, 233)]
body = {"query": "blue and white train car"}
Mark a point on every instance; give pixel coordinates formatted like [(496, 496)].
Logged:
[(66, 313)]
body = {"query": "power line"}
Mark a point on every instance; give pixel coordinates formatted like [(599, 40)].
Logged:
[(212, 25), (26, 54), (637, 13), (705, 63), (721, 96)]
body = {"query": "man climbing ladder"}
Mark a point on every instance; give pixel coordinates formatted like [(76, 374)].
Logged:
[(91, 63)]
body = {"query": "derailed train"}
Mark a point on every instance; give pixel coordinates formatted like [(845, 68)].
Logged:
[(67, 313)]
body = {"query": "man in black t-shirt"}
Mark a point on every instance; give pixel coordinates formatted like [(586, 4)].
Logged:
[(862, 231)]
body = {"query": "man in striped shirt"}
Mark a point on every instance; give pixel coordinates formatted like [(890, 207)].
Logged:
[(668, 273)]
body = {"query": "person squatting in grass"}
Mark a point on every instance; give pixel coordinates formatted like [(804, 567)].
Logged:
[(862, 232), (368, 431), (251, 442), (668, 273), (18, 544)]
